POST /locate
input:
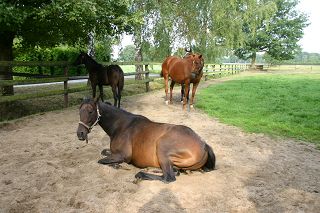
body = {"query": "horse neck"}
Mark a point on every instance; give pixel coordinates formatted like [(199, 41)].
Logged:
[(91, 64), (112, 119), (189, 60)]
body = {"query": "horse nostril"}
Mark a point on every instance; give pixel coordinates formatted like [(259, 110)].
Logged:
[(80, 134)]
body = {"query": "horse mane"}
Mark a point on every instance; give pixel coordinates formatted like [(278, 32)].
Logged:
[(107, 105), (95, 63)]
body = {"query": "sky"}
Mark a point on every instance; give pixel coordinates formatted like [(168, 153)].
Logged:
[(309, 43)]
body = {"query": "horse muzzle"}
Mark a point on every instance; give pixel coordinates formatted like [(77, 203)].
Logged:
[(81, 136), (193, 75), (82, 133)]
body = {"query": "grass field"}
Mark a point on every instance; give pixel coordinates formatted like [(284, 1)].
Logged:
[(153, 68), (281, 105)]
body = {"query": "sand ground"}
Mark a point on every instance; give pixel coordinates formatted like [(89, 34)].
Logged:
[(45, 168)]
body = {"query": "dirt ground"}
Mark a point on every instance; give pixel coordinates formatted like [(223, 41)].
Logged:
[(45, 168)]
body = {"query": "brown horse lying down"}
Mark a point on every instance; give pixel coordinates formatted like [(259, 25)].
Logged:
[(136, 140)]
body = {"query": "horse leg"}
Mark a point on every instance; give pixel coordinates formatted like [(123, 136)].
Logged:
[(115, 96), (112, 159), (119, 96), (167, 177), (186, 92), (166, 79), (101, 92), (168, 174), (93, 86), (182, 93), (194, 89), (171, 88)]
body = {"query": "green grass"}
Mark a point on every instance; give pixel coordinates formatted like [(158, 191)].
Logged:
[(281, 105)]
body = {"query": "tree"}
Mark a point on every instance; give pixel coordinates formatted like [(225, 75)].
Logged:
[(209, 27), (277, 33), (47, 23), (127, 53), (300, 58)]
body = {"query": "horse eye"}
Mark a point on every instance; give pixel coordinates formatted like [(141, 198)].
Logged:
[(90, 112)]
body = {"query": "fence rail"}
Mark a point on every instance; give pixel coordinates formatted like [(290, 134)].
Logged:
[(219, 70), (40, 78), (215, 70)]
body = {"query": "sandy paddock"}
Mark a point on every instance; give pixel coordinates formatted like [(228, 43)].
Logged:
[(45, 168)]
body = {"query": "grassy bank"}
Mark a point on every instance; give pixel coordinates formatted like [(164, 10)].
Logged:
[(282, 105)]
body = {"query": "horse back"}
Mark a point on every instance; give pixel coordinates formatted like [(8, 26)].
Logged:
[(166, 65), (180, 70), (115, 75)]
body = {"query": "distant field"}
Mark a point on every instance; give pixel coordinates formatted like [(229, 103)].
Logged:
[(282, 105), (132, 68), (296, 68)]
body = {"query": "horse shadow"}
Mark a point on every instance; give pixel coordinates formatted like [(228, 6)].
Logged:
[(164, 201)]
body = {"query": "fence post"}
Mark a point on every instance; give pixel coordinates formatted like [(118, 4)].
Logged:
[(206, 76), (65, 87), (214, 71), (147, 78)]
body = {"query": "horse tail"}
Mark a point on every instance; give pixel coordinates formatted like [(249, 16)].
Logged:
[(211, 161), (161, 73)]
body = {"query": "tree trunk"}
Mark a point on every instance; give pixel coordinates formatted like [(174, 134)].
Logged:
[(138, 54), (6, 43), (91, 49), (253, 60)]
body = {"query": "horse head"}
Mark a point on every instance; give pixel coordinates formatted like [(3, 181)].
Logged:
[(89, 117), (197, 62), (81, 59)]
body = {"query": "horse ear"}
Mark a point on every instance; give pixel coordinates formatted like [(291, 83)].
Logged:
[(200, 56)]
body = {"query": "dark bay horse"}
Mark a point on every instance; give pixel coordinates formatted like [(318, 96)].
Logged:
[(99, 75), (136, 140), (182, 71)]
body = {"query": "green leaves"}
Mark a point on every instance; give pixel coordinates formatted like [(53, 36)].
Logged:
[(47, 23), (277, 31)]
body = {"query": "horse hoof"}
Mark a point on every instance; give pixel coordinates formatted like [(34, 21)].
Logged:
[(140, 176), (191, 106), (168, 179), (167, 102)]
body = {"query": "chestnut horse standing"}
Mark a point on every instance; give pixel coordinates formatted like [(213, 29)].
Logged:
[(136, 140), (182, 71), (99, 75), (195, 82)]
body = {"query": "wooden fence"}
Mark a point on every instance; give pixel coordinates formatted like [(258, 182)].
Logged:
[(215, 70), (219, 70), (65, 78)]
